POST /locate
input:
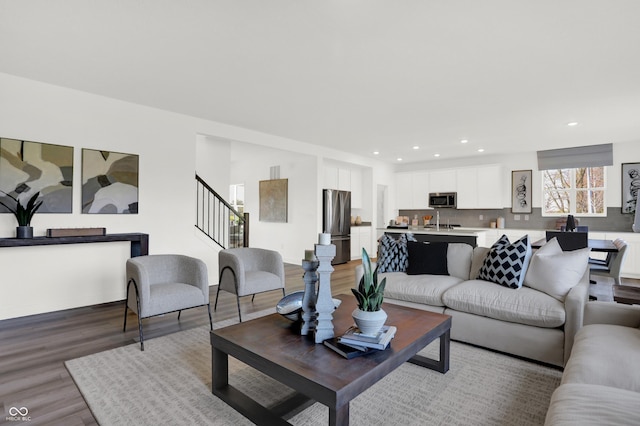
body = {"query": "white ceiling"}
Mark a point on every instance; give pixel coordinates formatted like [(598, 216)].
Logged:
[(355, 75)]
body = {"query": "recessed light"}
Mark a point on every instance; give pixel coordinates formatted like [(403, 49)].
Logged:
[(464, 141), (573, 123), (399, 159), (436, 155), (416, 147), (376, 152), (480, 149)]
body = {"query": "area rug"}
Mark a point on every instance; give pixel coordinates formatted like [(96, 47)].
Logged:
[(170, 384)]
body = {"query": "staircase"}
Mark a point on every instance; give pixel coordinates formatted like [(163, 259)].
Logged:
[(218, 220)]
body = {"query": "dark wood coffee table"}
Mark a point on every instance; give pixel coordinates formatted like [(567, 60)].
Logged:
[(271, 345)]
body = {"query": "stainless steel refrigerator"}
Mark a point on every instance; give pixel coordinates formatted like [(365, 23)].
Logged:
[(336, 220)]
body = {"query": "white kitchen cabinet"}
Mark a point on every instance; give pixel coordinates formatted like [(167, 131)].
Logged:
[(480, 187), (404, 190), (344, 179), (489, 187), (467, 188), (631, 263), (443, 180), (361, 237), (412, 190), (420, 190)]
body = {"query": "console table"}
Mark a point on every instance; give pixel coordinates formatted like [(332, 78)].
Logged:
[(139, 241)]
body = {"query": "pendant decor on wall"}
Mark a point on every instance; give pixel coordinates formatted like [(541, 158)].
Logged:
[(109, 182), (630, 186), (273, 200), (28, 167), (521, 191)]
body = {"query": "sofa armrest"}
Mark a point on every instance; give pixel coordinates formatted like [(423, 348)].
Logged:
[(612, 313), (574, 305)]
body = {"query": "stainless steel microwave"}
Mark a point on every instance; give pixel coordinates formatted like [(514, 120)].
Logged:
[(443, 199)]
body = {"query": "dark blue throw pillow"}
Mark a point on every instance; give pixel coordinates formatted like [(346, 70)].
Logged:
[(506, 264), (429, 258)]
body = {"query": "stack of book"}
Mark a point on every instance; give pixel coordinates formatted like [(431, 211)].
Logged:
[(353, 343)]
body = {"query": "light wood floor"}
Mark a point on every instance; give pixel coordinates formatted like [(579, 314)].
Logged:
[(33, 349)]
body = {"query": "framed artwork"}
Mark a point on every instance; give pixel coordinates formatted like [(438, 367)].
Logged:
[(109, 182), (273, 200), (28, 167), (630, 186), (521, 191)]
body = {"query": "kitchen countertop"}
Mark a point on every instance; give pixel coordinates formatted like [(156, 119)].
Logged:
[(420, 230)]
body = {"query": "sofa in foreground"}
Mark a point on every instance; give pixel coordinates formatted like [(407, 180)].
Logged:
[(537, 320), (601, 382)]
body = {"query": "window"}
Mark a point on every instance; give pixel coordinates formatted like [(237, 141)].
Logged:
[(579, 192), (236, 197)]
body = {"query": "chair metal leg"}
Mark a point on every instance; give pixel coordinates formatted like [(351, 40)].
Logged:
[(179, 312), (135, 287), (215, 305), (210, 319), (238, 303), (126, 305), (253, 296)]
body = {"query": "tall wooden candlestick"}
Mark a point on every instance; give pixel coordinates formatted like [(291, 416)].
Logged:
[(324, 303), (309, 299)]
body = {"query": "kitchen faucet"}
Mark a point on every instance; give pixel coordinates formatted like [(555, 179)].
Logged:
[(437, 220)]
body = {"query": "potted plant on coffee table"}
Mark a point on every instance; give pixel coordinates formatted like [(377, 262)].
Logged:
[(23, 214), (369, 316)]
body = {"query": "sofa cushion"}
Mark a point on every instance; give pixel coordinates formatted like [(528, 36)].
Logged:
[(506, 263), (427, 258), (580, 404), (522, 306), (554, 271), (426, 289), (605, 354), (459, 260), (478, 257), (392, 254)]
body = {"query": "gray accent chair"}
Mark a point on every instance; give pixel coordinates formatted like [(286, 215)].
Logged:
[(612, 265), (164, 283), (247, 271)]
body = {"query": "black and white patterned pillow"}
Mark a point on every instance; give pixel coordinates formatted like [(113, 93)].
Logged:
[(393, 255), (506, 264)]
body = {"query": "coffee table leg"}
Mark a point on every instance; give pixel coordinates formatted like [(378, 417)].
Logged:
[(340, 416), (219, 369), (441, 365)]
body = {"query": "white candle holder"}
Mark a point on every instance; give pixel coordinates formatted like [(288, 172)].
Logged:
[(324, 302)]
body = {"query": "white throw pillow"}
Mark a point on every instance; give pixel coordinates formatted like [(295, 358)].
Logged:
[(554, 271)]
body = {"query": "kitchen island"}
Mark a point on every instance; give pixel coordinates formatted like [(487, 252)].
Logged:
[(449, 235)]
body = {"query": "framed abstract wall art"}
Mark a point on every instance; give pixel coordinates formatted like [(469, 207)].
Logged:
[(109, 182), (273, 200), (521, 191), (630, 186), (28, 167)]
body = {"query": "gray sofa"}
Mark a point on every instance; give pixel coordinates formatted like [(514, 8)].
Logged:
[(601, 382), (523, 322)]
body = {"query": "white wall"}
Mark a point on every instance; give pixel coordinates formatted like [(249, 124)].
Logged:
[(41, 279)]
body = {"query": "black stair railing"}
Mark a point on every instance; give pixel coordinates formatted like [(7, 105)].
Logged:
[(218, 220)]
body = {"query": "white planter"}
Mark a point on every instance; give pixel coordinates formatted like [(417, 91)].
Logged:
[(369, 322)]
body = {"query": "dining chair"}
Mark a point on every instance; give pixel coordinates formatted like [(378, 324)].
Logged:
[(247, 271), (569, 240), (164, 283), (612, 265)]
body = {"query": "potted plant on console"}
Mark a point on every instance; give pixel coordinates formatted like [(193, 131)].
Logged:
[(369, 316), (24, 214)]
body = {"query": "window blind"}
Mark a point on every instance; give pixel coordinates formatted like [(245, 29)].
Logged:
[(573, 158)]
